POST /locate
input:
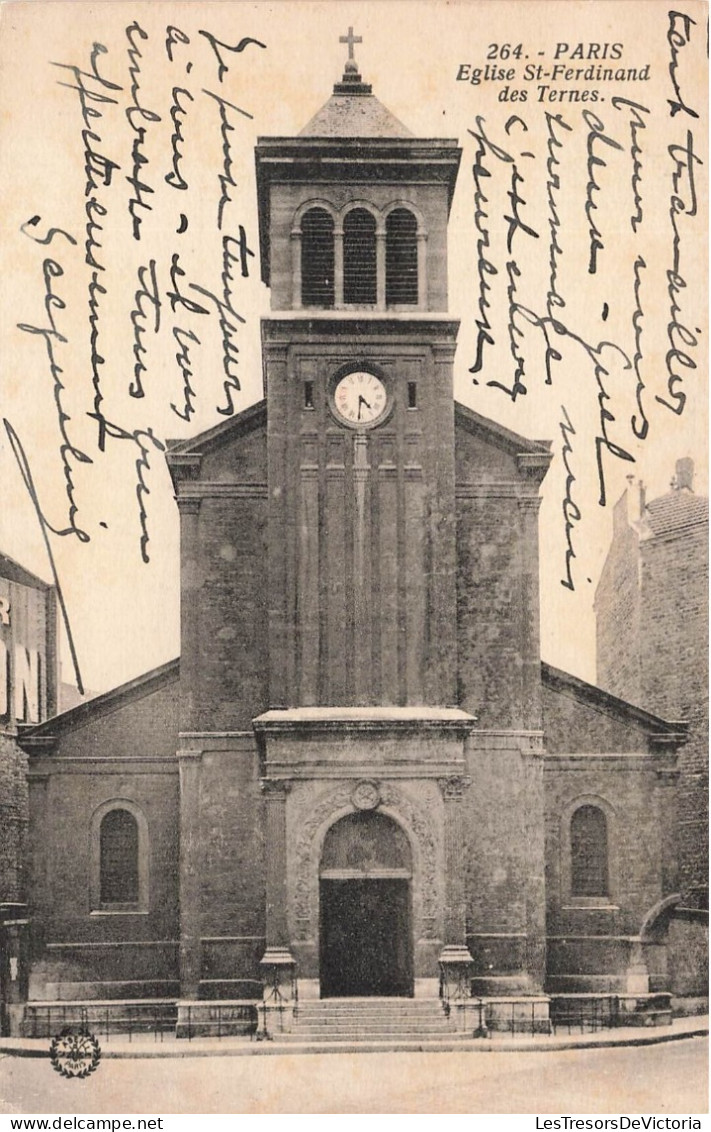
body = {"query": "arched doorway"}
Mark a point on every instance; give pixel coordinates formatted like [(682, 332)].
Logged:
[(365, 908)]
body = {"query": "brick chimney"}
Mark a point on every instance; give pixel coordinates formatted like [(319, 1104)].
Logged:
[(684, 478)]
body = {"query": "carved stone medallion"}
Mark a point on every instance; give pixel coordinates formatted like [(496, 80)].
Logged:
[(366, 796)]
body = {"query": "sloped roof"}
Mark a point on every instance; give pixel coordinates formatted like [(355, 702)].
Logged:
[(212, 438), (14, 572), (559, 681), (354, 116), (512, 441), (353, 111), (103, 704), (676, 511)]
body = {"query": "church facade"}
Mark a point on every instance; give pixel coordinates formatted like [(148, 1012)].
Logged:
[(359, 779)]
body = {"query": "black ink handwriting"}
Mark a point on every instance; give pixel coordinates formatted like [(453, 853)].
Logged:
[(138, 319), (33, 222), (571, 511), (226, 180), (684, 160), (45, 527), (136, 110), (677, 39), (50, 335), (175, 296), (640, 427), (145, 440), (233, 251), (215, 44), (93, 163), (182, 357), (177, 112), (637, 123), (485, 267), (174, 35), (595, 131)]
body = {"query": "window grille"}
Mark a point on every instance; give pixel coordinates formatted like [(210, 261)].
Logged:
[(588, 852), (317, 259), (359, 258), (119, 858), (400, 257)]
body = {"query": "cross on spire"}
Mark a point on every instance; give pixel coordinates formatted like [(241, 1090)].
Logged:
[(351, 40)]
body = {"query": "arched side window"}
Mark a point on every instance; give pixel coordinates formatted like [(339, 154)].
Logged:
[(589, 866), (400, 257), (317, 259), (359, 258), (119, 858)]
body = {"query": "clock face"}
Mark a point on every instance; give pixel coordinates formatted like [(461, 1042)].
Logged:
[(360, 398)]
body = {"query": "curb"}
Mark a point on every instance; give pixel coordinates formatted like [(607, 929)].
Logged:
[(223, 1048)]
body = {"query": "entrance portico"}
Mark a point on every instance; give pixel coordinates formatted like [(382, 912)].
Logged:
[(362, 871)]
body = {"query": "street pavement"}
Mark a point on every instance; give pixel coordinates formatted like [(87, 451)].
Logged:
[(657, 1079)]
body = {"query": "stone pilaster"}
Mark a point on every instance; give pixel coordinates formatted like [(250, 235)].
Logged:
[(534, 875), (667, 801), (455, 911), (380, 270), (277, 965), (275, 792), (296, 268), (190, 872), (338, 265), (455, 961), (189, 509), (422, 271)]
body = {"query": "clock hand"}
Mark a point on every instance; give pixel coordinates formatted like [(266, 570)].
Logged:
[(362, 401)]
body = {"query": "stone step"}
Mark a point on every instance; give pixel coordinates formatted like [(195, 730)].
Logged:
[(356, 1036), (386, 1015), (382, 1020), (371, 1019), (371, 1001), (376, 1024), (425, 1007)]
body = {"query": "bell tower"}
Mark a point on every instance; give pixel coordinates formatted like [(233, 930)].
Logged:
[(358, 354)]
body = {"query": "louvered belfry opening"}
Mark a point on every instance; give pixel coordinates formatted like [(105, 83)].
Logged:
[(119, 858), (359, 258), (317, 261), (400, 257), (588, 852)]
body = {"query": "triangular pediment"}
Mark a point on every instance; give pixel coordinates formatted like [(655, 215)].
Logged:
[(187, 459)]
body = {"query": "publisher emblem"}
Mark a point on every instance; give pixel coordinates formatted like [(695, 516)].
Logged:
[(74, 1053)]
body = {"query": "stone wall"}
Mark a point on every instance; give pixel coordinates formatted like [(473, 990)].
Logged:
[(122, 749), (617, 604), (13, 820), (674, 653), (231, 867)]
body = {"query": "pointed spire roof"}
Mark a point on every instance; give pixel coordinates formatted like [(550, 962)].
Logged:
[(353, 111)]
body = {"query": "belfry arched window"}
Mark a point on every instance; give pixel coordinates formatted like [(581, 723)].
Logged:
[(359, 258), (589, 868), (400, 257), (317, 259)]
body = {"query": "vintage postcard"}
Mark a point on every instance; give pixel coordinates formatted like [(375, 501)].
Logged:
[(353, 557)]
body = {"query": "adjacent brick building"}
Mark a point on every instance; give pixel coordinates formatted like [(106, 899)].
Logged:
[(28, 695), (359, 773), (652, 648)]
